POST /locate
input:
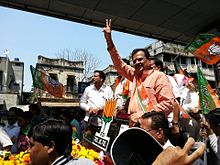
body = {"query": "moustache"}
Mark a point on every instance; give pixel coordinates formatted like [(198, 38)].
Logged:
[(138, 65)]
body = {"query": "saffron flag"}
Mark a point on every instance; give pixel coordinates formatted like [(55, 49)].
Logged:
[(208, 100), (46, 83), (206, 47), (179, 70)]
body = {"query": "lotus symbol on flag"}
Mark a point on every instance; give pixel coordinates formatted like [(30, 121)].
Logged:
[(214, 49)]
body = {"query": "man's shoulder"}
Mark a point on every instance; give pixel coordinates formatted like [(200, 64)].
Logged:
[(158, 73), (89, 87), (106, 87), (80, 161)]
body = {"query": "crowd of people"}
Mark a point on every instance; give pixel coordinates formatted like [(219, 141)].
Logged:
[(165, 106)]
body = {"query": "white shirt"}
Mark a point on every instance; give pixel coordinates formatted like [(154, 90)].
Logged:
[(175, 87), (93, 98), (190, 100), (13, 131), (4, 139), (167, 144), (214, 142)]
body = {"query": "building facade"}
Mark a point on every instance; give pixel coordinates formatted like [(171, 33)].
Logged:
[(69, 73), (168, 52), (11, 82)]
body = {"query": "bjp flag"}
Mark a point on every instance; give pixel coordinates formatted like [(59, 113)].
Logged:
[(208, 99), (206, 47), (46, 83)]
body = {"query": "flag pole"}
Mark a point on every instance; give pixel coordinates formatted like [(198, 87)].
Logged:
[(204, 139), (176, 57)]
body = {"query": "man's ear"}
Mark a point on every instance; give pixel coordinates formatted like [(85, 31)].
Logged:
[(160, 133), (51, 147)]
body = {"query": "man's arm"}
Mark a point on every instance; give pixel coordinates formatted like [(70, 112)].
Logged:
[(84, 101), (123, 69), (164, 94)]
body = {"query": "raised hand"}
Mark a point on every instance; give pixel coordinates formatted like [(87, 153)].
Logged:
[(107, 31), (107, 28), (178, 156)]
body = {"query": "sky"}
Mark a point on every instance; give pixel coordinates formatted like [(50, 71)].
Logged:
[(26, 35)]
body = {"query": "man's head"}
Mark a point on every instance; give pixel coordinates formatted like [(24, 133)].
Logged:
[(34, 109), (213, 119), (141, 59), (156, 124), (98, 77), (156, 64), (24, 119), (50, 140), (13, 114)]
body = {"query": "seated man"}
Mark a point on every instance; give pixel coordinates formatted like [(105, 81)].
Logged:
[(156, 124), (51, 143)]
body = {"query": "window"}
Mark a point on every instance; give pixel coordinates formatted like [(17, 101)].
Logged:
[(167, 58), (183, 60), (192, 60), (71, 82), (53, 76)]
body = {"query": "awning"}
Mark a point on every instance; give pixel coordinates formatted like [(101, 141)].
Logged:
[(59, 104)]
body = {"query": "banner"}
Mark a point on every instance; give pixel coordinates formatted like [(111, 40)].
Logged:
[(46, 83), (206, 47)]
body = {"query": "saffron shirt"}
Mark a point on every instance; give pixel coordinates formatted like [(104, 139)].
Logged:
[(156, 83)]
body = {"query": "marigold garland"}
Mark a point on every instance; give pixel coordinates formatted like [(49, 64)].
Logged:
[(23, 158)]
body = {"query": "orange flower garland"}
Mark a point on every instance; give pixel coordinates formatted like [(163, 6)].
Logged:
[(23, 158)]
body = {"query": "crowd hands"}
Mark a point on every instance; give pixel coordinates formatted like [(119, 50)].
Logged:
[(167, 121)]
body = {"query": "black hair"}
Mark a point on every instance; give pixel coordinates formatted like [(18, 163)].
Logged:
[(101, 74), (158, 120), (214, 117), (17, 111), (158, 63), (80, 113), (126, 61), (146, 53), (35, 107), (26, 115), (53, 130)]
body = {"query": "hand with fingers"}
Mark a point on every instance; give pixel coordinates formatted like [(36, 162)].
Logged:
[(107, 31), (178, 156), (107, 28)]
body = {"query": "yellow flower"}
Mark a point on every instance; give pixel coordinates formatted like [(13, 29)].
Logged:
[(23, 158)]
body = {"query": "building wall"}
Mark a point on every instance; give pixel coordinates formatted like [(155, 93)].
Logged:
[(8, 74), (8, 100), (18, 68), (111, 75), (11, 83)]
